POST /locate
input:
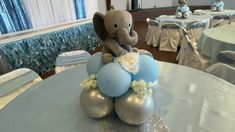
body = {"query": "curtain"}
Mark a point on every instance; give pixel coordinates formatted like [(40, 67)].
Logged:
[(13, 16), (80, 9), (91, 6), (47, 12)]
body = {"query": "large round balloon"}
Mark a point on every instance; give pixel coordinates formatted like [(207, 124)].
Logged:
[(94, 63), (113, 80), (94, 104), (148, 69), (134, 110)]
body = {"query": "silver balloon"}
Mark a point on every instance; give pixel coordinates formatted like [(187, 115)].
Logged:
[(94, 104), (134, 110)]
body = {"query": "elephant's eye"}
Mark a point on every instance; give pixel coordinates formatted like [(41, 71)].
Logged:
[(129, 25), (115, 25)]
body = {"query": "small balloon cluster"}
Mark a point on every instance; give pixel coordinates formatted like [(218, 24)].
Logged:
[(218, 5), (111, 86), (182, 11)]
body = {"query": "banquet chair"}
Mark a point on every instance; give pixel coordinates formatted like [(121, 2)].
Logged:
[(4, 66), (223, 71), (70, 59), (153, 34), (170, 37), (14, 83), (195, 30), (189, 56), (220, 20), (233, 18), (227, 57), (225, 68)]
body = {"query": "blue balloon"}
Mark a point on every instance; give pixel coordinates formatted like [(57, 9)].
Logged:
[(94, 63), (148, 69), (113, 80)]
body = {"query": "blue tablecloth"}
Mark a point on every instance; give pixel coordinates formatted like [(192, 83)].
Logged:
[(39, 52), (214, 40), (215, 13), (183, 22), (186, 99)]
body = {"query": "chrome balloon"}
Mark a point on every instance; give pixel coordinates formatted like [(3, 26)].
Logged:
[(134, 110), (94, 104)]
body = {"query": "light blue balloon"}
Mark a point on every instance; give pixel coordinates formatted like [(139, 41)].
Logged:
[(148, 69), (94, 64), (113, 80)]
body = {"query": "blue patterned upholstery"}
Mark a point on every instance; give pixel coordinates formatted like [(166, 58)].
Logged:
[(39, 52)]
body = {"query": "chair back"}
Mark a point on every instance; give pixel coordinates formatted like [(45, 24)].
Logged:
[(153, 34), (152, 22), (227, 57), (196, 24), (70, 59), (188, 54), (195, 30), (218, 17), (4, 66), (170, 26), (189, 44), (233, 17), (223, 71), (170, 37), (16, 82), (220, 20)]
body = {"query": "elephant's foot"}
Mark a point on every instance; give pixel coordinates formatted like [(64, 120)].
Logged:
[(134, 49), (145, 52), (213, 9), (186, 15), (178, 14), (107, 58)]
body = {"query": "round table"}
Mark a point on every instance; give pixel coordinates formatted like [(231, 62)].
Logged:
[(183, 22), (214, 40), (186, 100), (229, 26), (215, 13)]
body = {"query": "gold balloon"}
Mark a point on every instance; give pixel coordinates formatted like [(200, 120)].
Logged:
[(94, 104), (134, 110)]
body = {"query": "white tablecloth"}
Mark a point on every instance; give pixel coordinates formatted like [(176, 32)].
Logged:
[(186, 99)]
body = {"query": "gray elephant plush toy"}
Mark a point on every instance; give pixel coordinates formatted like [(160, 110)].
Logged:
[(115, 28)]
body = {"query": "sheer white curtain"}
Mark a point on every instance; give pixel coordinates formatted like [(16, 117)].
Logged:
[(91, 7), (63, 10), (46, 12)]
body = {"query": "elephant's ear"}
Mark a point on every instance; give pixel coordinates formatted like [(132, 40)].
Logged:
[(132, 28), (98, 22)]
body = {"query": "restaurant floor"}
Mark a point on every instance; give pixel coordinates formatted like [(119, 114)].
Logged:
[(141, 28)]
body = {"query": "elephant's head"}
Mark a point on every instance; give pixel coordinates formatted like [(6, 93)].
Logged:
[(115, 24)]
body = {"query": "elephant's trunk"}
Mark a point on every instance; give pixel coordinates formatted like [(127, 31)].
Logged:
[(127, 39)]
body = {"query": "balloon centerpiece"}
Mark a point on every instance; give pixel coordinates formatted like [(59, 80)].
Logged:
[(218, 5), (121, 77), (182, 11), (130, 89)]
